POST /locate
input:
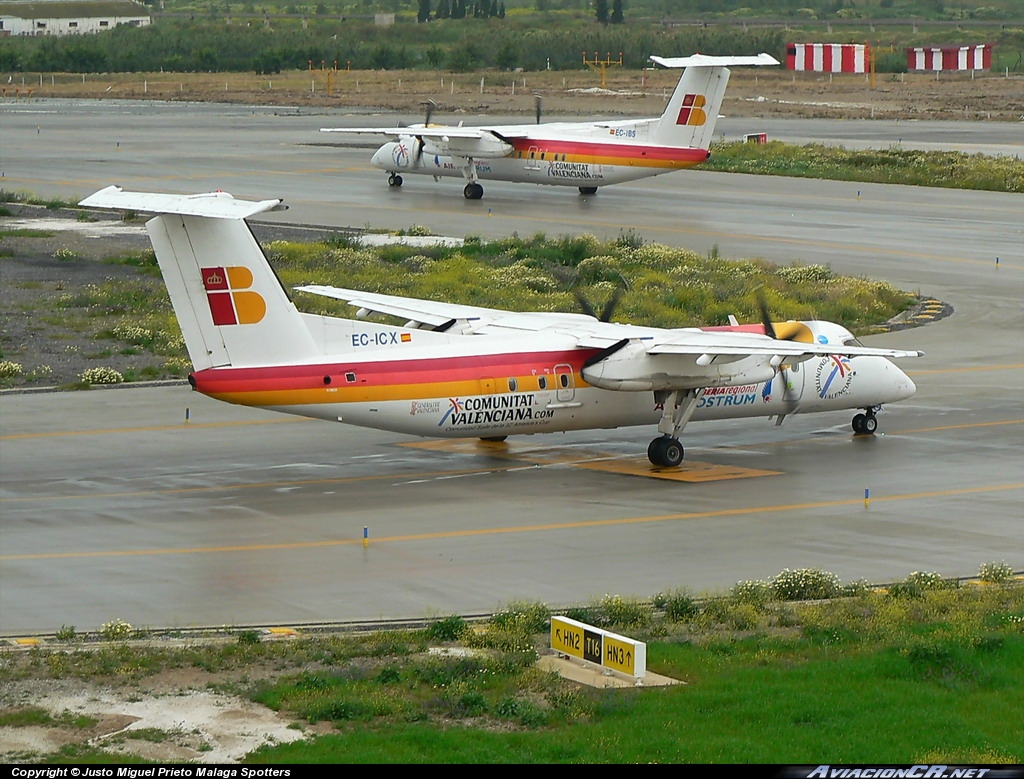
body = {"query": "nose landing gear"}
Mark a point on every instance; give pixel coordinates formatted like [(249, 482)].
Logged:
[(394, 180)]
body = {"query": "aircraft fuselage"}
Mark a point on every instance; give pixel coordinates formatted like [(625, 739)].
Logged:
[(499, 394), (577, 162)]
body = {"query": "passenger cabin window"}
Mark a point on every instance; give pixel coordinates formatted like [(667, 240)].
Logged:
[(542, 382), (563, 379), (513, 385), (350, 377)]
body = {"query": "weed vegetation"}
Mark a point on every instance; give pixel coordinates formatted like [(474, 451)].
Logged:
[(925, 671), (661, 286), (884, 166)]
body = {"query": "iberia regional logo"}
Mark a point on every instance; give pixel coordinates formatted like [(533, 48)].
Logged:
[(232, 302), (692, 111)]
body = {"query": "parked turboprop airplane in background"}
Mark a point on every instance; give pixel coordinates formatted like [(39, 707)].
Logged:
[(468, 372), (586, 155)]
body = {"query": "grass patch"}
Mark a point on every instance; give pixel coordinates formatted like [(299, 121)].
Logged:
[(33, 716), (894, 165), (876, 677), (656, 285), (26, 232)]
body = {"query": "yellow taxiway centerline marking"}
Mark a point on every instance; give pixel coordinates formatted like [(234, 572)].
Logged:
[(592, 523)]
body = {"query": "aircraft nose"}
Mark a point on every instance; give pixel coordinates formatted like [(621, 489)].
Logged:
[(379, 158), (903, 385)]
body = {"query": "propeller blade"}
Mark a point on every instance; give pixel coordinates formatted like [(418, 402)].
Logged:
[(766, 319), (431, 105), (585, 304), (612, 304)]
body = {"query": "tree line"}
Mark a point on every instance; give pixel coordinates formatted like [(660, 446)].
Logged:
[(275, 44), (181, 45)]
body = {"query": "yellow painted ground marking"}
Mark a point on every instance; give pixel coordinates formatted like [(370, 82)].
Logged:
[(555, 526), (959, 427), (594, 460), (690, 471), (519, 451)]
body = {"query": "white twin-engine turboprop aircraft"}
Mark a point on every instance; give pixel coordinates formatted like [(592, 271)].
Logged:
[(586, 155), (462, 371)]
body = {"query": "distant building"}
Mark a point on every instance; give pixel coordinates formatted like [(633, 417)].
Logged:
[(69, 17)]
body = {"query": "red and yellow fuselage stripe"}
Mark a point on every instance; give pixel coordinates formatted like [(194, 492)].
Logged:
[(356, 381), (600, 153)]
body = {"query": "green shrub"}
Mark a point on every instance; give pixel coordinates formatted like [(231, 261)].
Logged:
[(9, 369), (995, 573), (524, 616), (448, 629), (249, 637), (116, 630), (624, 612), (92, 376), (678, 605), (920, 582), (66, 633), (804, 584), (753, 591)]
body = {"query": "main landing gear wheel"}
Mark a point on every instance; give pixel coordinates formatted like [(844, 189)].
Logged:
[(665, 451), (473, 191), (588, 190), (865, 424), (394, 180)]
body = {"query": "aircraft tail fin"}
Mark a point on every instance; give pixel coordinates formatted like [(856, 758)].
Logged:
[(230, 305), (690, 116)]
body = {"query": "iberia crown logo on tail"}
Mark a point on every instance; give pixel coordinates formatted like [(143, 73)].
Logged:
[(232, 302), (692, 111)]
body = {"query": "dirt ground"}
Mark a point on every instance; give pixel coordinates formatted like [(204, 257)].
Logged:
[(188, 721), (761, 92)]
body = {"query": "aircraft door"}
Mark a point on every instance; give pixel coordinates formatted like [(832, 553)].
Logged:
[(533, 158), (565, 383), (793, 382)]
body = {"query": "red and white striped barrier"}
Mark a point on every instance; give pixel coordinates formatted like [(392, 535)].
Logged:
[(950, 57), (828, 57)]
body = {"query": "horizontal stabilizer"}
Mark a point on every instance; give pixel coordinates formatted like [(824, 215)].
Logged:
[(217, 205), (707, 61)]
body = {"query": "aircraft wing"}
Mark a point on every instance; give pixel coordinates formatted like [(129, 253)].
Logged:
[(729, 346), (475, 142), (702, 345), (426, 312)]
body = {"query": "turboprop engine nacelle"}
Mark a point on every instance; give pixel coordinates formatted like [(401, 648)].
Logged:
[(633, 369)]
